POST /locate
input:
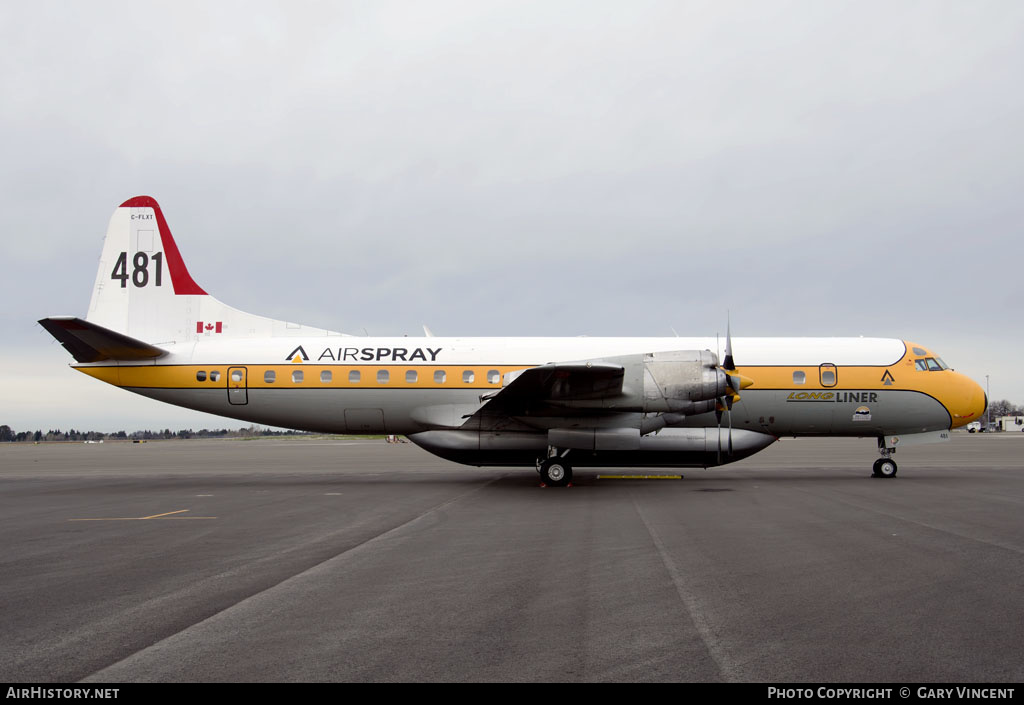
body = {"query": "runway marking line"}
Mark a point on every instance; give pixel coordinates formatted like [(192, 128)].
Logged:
[(165, 515), (639, 477)]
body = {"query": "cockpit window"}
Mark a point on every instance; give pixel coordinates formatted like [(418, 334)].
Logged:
[(931, 364), (919, 351)]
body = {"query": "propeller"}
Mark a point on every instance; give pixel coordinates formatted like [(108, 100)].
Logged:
[(734, 383)]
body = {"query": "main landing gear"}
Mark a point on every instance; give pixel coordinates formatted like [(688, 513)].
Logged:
[(884, 466), (555, 470)]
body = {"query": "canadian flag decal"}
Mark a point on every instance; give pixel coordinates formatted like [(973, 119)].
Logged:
[(207, 327)]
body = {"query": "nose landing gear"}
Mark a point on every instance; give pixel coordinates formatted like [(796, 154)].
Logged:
[(884, 466)]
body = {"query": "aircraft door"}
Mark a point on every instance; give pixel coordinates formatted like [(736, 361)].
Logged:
[(238, 393)]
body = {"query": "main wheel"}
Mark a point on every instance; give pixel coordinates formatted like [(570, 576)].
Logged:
[(885, 468), (556, 472)]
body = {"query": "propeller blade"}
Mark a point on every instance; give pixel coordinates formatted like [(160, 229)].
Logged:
[(730, 430), (718, 415), (728, 364), (735, 383)]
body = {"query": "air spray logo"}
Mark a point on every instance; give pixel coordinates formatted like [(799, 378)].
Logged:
[(368, 355), (297, 355)]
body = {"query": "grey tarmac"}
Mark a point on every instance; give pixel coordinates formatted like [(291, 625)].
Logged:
[(312, 560)]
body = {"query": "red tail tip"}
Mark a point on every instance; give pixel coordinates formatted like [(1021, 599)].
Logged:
[(141, 202)]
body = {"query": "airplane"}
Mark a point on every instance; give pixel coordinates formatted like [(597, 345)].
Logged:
[(548, 403)]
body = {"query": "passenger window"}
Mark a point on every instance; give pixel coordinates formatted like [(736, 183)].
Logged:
[(411, 376), (440, 376), (828, 375), (269, 376), (493, 377), (799, 377), (468, 376), (215, 376), (383, 376), (326, 376), (353, 377), (236, 376), (201, 376), (297, 376)]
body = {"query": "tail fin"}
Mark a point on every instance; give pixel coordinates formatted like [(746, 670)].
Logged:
[(144, 290)]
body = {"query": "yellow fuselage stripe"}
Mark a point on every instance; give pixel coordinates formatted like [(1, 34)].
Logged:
[(903, 376), (255, 376)]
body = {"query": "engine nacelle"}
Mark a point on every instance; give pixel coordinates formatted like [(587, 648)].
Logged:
[(682, 381)]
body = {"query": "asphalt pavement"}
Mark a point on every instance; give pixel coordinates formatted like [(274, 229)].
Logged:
[(316, 560)]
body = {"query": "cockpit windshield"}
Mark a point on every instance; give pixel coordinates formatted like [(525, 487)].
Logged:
[(931, 364)]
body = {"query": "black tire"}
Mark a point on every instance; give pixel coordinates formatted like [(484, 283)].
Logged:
[(555, 472), (874, 468), (886, 467)]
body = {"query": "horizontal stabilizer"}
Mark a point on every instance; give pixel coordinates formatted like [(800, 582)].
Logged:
[(88, 342)]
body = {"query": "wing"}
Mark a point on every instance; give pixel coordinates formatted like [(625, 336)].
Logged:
[(552, 389), (640, 391)]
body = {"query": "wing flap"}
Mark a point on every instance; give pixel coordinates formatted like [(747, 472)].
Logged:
[(88, 342)]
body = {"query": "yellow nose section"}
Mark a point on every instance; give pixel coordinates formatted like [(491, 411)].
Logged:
[(965, 401)]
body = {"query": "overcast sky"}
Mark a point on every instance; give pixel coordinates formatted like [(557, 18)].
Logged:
[(518, 168)]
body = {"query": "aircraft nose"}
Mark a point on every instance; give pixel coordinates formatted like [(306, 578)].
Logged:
[(968, 402)]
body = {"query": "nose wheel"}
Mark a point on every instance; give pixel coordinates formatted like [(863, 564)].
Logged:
[(555, 472), (884, 467)]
